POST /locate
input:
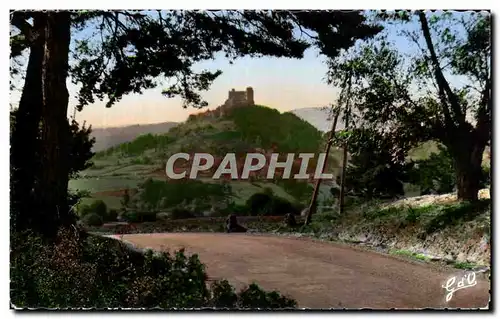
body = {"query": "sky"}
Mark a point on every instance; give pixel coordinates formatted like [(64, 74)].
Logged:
[(281, 83), (284, 84)]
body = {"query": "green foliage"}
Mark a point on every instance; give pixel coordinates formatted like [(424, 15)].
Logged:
[(173, 193), (255, 298), (99, 207), (266, 127), (144, 34), (378, 81), (233, 208), (92, 219), (112, 215), (181, 213), (133, 216), (264, 204), (301, 191), (125, 199), (123, 52), (110, 276), (458, 213), (139, 145), (25, 174), (81, 144), (435, 174), (373, 172)]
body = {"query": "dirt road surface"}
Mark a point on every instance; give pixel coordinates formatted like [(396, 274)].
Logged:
[(319, 274)]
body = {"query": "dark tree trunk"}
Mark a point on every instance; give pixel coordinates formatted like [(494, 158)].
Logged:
[(25, 133), (55, 126), (468, 159), (314, 197)]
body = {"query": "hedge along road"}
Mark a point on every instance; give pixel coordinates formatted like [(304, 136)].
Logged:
[(319, 274)]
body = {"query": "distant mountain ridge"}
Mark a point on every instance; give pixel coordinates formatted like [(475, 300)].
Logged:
[(111, 136), (319, 117)]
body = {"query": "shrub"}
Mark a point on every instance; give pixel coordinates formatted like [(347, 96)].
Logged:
[(83, 210), (281, 207), (259, 203), (162, 216), (254, 297), (131, 216), (233, 208), (147, 216), (99, 207), (164, 194), (373, 172), (268, 204), (112, 215), (138, 217), (435, 174), (181, 213), (97, 272), (92, 219)]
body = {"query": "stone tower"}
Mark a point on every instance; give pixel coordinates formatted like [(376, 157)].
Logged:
[(250, 96), (237, 99)]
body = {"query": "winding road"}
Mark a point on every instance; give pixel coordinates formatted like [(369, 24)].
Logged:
[(320, 274)]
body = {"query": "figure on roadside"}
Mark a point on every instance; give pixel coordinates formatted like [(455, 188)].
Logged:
[(232, 225), (290, 220), (304, 212)]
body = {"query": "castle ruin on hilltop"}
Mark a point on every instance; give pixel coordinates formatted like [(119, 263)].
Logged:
[(234, 100), (237, 99)]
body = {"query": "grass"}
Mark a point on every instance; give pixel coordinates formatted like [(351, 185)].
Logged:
[(464, 265), (409, 254), (423, 151), (112, 202), (133, 170), (100, 184)]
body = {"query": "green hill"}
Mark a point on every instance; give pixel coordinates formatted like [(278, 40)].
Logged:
[(129, 165)]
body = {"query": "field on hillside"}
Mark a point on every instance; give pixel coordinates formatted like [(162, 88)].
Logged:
[(131, 164)]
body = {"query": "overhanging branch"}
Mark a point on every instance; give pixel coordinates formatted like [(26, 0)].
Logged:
[(19, 21), (444, 86)]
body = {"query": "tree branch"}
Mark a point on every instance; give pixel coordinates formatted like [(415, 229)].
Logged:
[(444, 86), (483, 127), (19, 21)]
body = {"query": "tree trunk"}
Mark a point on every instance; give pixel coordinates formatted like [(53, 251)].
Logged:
[(314, 196), (468, 170), (54, 138), (25, 134), (344, 169)]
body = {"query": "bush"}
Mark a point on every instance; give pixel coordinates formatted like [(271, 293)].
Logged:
[(147, 216), (259, 204), (281, 207), (112, 215), (83, 210), (252, 297), (373, 172), (233, 208), (99, 207), (181, 213), (92, 219), (435, 174), (268, 204), (132, 216), (97, 272)]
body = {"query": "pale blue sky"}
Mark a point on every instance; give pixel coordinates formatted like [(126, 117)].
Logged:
[(284, 84)]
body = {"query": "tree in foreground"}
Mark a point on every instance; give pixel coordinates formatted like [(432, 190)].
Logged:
[(114, 53), (436, 85)]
